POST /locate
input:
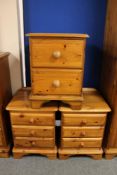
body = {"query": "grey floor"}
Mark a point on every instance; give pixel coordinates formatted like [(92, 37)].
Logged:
[(36, 165)]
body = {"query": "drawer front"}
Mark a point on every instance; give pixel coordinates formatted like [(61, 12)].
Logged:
[(82, 132), (53, 81), (81, 143), (28, 142), (32, 119), (57, 53), (83, 119), (33, 131)]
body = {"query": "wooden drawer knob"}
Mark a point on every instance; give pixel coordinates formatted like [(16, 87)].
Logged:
[(32, 133), (56, 54), (82, 134), (33, 143), (81, 145), (32, 120), (83, 123), (56, 83), (21, 116)]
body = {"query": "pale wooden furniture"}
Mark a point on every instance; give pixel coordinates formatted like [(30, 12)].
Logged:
[(82, 130), (5, 96), (109, 77), (57, 66), (33, 129)]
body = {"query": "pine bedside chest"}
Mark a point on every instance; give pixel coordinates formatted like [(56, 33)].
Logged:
[(33, 129), (57, 66), (82, 130)]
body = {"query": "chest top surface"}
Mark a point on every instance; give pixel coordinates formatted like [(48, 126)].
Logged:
[(60, 35), (93, 102), (20, 102)]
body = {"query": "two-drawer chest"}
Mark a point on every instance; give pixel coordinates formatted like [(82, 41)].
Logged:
[(57, 67), (82, 130), (33, 129), (5, 96)]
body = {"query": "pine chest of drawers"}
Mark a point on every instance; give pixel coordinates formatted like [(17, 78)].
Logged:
[(5, 96), (33, 129), (82, 130), (57, 66)]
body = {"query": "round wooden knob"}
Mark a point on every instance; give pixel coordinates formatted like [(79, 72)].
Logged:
[(32, 120), (83, 123), (56, 83), (56, 54), (82, 134), (81, 145), (33, 143), (21, 116), (32, 132)]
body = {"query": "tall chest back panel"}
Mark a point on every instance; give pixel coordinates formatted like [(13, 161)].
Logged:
[(5, 96), (82, 130), (33, 129), (109, 76), (57, 66)]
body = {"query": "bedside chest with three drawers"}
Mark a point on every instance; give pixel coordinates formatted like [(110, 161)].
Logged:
[(33, 129), (82, 131)]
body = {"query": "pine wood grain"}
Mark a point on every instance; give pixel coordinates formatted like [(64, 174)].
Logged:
[(5, 151), (43, 79), (37, 119), (33, 142), (81, 142), (95, 153), (83, 132), (54, 58), (71, 53), (74, 101), (83, 119), (93, 103), (33, 131), (21, 103), (110, 153), (51, 153), (58, 35)]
